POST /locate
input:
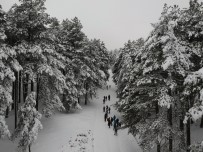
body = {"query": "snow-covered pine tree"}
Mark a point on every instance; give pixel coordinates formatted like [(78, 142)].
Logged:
[(95, 71), (36, 52), (8, 64), (153, 103), (69, 41), (191, 21), (123, 76), (28, 125)]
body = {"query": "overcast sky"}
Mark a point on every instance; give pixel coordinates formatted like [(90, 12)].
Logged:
[(112, 21)]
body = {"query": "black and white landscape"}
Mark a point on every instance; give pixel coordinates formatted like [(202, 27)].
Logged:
[(101, 76)]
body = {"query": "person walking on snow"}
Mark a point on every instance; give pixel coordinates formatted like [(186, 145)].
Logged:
[(114, 118), (115, 131), (103, 108), (109, 121), (117, 122), (115, 127), (109, 97), (105, 116), (109, 109)]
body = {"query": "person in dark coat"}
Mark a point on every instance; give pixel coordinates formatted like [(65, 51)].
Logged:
[(103, 108), (105, 116), (109, 97), (115, 131), (109, 109), (109, 121), (114, 118), (117, 122)]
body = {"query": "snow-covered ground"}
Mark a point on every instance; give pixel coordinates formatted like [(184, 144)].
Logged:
[(81, 131)]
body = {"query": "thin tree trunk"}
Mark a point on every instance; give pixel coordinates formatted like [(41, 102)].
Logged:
[(78, 99), (201, 124), (25, 87), (7, 111), (64, 95), (91, 94), (19, 87), (182, 145), (29, 148), (13, 95), (170, 123), (16, 99), (188, 135), (86, 87), (158, 144), (188, 140), (158, 147), (32, 86), (37, 99)]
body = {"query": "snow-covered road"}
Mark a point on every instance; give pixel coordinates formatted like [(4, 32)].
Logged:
[(104, 138)]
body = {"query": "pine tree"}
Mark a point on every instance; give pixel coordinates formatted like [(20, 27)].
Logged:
[(35, 51), (8, 65), (28, 125)]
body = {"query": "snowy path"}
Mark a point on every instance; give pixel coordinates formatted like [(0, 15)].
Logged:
[(61, 131), (105, 140)]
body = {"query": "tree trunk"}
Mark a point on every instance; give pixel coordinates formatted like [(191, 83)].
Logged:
[(188, 135), (16, 99), (188, 139), (78, 99), (158, 147), (13, 95), (7, 111), (201, 124), (37, 98), (64, 95), (32, 86), (157, 108), (170, 123), (158, 144), (86, 87), (19, 87), (29, 148), (182, 145), (91, 94), (25, 87)]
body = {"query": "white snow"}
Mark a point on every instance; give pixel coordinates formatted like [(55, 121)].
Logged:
[(62, 129), (168, 62)]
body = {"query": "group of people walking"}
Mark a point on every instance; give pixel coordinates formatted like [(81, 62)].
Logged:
[(111, 120), (106, 98), (108, 87)]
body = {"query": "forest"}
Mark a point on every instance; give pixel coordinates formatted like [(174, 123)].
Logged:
[(160, 81), (44, 63), (48, 65)]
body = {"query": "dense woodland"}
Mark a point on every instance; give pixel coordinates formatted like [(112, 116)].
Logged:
[(48, 65), (44, 62), (160, 81)]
